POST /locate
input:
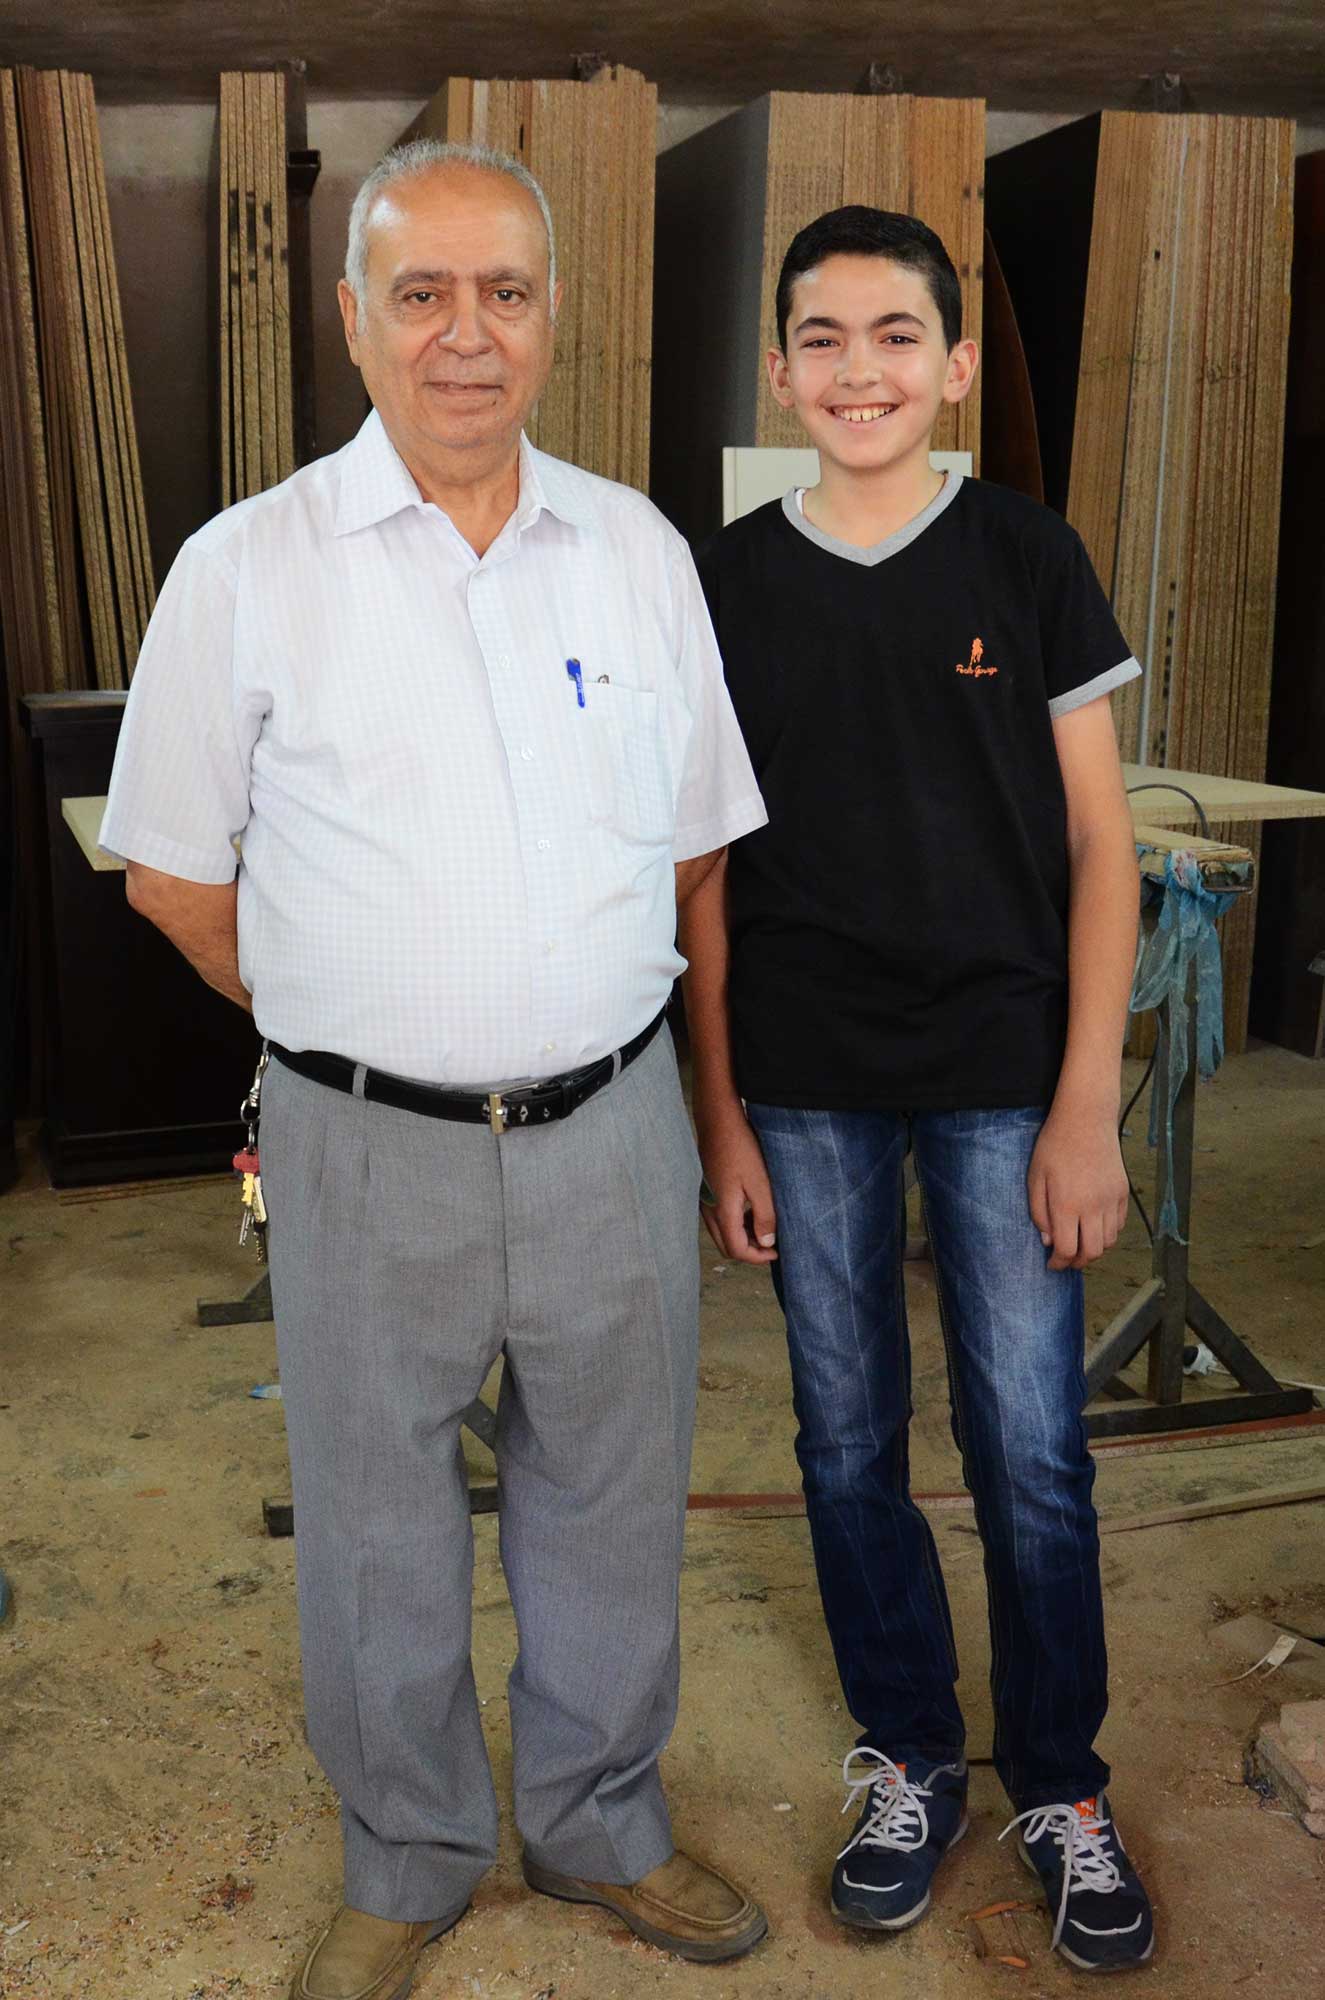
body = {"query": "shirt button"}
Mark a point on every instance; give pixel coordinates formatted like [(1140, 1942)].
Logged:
[(527, 753), (543, 846), (548, 1047), (503, 659), (549, 947)]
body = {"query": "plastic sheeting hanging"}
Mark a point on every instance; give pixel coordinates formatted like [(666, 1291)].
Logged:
[(1182, 935)]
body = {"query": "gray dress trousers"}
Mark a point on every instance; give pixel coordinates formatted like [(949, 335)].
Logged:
[(407, 1253)]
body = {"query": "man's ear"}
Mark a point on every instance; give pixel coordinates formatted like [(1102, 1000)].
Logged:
[(962, 364), (349, 313), (779, 379), (558, 294)]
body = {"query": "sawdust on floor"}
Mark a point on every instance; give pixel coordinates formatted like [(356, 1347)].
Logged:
[(167, 1836)]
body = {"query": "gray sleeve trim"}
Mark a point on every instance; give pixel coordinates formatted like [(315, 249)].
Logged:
[(1105, 683)]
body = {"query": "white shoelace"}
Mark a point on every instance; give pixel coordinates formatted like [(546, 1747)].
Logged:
[(1080, 1837), (898, 1820)]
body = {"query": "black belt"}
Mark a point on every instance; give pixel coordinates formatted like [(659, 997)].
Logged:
[(530, 1104)]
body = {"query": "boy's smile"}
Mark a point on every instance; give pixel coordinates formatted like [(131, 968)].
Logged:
[(862, 413), (866, 367)]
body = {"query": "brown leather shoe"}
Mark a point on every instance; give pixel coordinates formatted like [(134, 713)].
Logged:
[(682, 1907), (358, 1957)]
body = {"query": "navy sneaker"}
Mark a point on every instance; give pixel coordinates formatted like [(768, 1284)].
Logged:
[(911, 1815), (1102, 1916)]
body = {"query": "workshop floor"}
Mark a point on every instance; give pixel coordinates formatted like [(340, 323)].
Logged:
[(165, 1834)]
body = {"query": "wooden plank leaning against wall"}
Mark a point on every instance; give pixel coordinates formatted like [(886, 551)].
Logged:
[(257, 430), (1148, 258), (730, 199), (921, 156), (591, 145), (82, 529), (1178, 442), (76, 585)]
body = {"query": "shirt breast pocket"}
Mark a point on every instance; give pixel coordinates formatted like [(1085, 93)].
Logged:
[(628, 773)]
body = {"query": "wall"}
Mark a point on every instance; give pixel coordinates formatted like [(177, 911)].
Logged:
[(1002, 128), (160, 180), (161, 166), (351, 139), (161, 175)]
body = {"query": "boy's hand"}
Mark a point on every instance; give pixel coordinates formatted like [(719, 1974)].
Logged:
[(1077, 1186), (740, 1219)]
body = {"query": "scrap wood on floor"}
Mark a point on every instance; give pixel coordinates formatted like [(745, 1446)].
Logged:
[(1009, 1933)]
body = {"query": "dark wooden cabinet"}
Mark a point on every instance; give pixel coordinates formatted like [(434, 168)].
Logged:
[(146, 1066)]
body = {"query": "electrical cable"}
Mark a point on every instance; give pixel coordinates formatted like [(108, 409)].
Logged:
[(1201, 813)]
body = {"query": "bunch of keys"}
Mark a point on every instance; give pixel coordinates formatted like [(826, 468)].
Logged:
[(248, 1166), (255, 1208)]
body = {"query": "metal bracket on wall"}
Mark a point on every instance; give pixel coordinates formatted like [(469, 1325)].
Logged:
[(1164, 91), (881, 80)]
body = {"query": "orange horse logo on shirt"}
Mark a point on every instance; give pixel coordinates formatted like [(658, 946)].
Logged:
[(973, 665)]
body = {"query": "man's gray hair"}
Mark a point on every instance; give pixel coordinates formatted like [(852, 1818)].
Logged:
[(423, 156)]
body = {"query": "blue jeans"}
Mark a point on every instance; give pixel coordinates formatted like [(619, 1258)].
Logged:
[(1014, 1334)]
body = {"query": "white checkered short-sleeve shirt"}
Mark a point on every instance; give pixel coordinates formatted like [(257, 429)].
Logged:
[(456, 850)]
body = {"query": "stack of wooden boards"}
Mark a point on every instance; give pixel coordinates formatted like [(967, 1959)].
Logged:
[(1148, 255), (257, 402), (591, 145), (730, 199), (76, 586)]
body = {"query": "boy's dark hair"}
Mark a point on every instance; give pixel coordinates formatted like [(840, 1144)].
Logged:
[(873, 232)]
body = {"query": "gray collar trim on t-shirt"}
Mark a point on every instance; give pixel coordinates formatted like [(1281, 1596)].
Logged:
[(892, 545)]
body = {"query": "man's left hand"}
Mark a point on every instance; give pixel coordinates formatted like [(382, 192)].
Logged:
[(1078, 1187)]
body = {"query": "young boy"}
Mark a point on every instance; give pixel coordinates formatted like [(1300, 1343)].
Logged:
[(931, 942)]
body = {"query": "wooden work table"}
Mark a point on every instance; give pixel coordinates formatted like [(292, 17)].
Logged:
[(1161, 1312), (1224, 799), (1283, 927)]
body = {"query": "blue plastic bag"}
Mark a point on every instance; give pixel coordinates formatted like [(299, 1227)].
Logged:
[(1183, 933)]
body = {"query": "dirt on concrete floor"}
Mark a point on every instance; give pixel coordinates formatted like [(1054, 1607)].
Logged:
[(166, 1834)]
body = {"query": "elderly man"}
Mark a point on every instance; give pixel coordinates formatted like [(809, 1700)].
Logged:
[(463, 703)]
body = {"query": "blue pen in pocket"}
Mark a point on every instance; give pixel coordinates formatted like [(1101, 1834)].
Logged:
[(576, 674)]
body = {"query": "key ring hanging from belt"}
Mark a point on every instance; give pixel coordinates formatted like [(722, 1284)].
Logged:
[(248, 1165), (250, 1109)]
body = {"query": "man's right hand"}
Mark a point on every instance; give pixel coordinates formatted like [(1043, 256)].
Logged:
[(741, 1218), (199, 918)]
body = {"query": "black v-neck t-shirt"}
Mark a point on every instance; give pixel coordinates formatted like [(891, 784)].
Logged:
[(899, 928)]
